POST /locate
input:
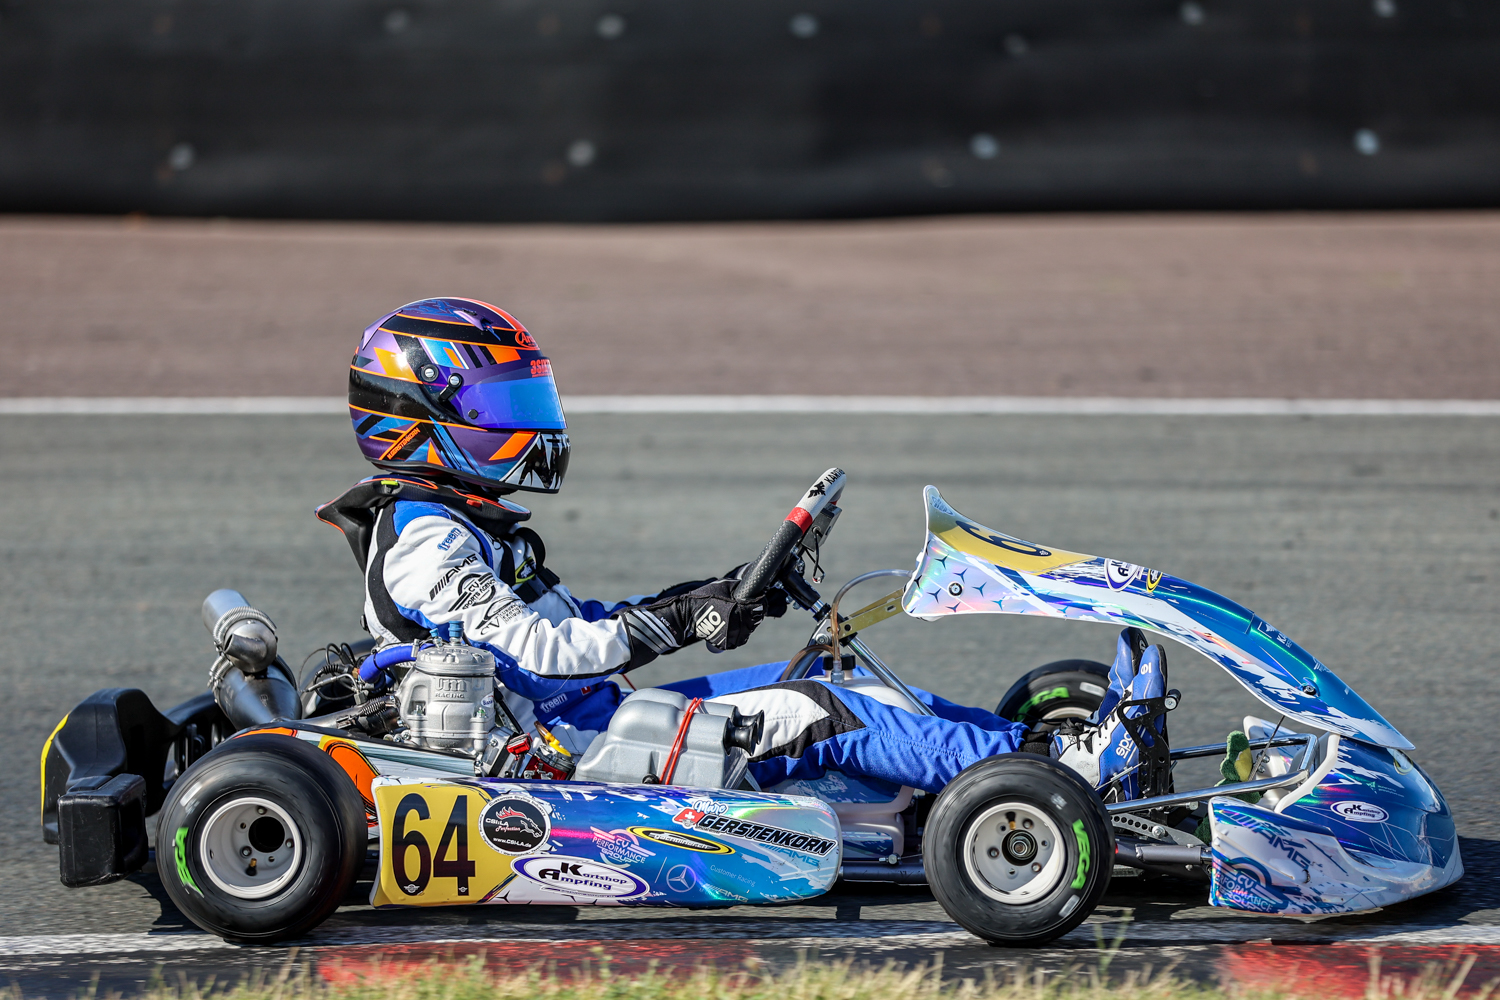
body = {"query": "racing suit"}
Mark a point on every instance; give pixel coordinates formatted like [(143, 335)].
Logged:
[(428, 565)]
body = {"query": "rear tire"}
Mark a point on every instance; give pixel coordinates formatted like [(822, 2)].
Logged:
[(261, 839), (1063, 689), (1018, 850)]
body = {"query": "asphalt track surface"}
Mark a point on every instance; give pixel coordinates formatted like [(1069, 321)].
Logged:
[(1345, 306), (1372, 541)]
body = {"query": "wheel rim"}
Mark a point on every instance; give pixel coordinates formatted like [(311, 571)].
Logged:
[(1067, 712), (250, 848), (1014, 853)]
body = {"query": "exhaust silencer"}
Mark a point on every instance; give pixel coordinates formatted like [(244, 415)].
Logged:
[(250, 682)]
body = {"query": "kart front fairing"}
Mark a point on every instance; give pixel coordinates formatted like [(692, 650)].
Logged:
[(967, 568)]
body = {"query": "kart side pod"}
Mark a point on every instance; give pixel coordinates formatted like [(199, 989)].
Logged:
[(579, 843)]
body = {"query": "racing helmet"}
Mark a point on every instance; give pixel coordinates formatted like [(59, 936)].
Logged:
[(458, 387)]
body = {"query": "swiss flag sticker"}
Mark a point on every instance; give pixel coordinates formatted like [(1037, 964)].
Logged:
[(688, 818)]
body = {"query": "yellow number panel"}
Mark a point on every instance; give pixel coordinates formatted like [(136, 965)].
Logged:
[(435, 849)]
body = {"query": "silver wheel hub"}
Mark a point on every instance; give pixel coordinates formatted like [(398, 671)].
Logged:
[(1014, 853), (250, 848)]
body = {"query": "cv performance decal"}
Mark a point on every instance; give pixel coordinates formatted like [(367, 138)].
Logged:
[(726, 826), (513, 825), (686, 841), (579, 877)]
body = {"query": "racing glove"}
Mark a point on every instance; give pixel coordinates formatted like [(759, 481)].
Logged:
[(774, 601), (709, 613)]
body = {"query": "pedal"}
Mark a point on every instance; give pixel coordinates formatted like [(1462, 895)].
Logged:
[(1155, 767)]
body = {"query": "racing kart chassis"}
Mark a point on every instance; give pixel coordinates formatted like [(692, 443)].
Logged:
[(1016, 848)]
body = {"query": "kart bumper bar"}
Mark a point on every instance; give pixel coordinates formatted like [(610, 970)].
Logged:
[(906, 873), (1143, 854), (101, 825), (1295, 776)]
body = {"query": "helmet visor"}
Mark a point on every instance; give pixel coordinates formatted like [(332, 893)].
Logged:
[(513, 401)]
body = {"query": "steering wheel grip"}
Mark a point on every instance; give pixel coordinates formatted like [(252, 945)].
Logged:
[(757, 579)]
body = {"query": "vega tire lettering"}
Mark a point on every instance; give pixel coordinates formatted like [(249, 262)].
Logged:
[(1085, 855), (579, 877)]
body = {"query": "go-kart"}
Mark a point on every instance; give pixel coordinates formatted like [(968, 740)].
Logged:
[(272, 799)]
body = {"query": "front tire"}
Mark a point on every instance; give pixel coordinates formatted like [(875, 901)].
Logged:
[(261, 839), (1018, 850), (1063, 689)]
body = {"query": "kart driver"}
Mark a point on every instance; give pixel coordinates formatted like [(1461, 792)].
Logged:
[(454, 401)]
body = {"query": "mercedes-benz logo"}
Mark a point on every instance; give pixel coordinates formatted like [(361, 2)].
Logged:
[(681, 878)]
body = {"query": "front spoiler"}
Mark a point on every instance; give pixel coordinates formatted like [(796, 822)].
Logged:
[(1266, 862)]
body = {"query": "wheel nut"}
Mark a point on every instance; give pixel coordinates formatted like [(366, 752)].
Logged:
[(993, 852), (260, 810), (244, 852), (1036, 868)]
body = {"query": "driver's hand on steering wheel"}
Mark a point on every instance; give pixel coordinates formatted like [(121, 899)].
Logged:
[(774, 602), (709, 612)]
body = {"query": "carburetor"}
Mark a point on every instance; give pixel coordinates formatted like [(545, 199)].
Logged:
[(447, 697)]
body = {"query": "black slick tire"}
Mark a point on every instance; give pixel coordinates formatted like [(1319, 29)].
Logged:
[(999, 821), (270, 799), (1055, 691)]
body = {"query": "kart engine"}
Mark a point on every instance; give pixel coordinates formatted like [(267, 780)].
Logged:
[(447, 698)]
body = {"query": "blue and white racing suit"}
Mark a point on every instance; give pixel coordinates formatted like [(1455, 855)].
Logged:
[(429, 565)]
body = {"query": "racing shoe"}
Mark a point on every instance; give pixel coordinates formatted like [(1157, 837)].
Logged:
[(1107, 753), (1129, 649)]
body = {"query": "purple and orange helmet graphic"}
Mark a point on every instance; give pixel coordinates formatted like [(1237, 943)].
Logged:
[(458, 386)]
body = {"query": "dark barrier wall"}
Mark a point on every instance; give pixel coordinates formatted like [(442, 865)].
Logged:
[(686, 109)]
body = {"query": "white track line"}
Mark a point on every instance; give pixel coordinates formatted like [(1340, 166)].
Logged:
[(864, 934), (917, 405)]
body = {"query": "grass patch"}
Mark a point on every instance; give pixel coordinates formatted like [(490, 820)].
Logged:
[(472, 979)]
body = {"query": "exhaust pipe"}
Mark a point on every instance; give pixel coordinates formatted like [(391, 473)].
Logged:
[(250, 682)]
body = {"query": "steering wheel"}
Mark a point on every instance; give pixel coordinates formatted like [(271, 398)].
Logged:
[(757, 579)]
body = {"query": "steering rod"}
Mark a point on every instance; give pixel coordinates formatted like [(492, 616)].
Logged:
[(829, 613)]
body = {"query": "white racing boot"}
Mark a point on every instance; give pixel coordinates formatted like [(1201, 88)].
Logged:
[(1105, 752)]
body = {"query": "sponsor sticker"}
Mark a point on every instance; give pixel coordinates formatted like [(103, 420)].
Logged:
[(688, 817), (620, 847), (449, 539), (513, 825), (682, 879), (686, 841), (1153, 578), (448, 576), (507, 609), (772, 836), (1360, 812), (474, 590), (579, 876), (1120, 575)]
